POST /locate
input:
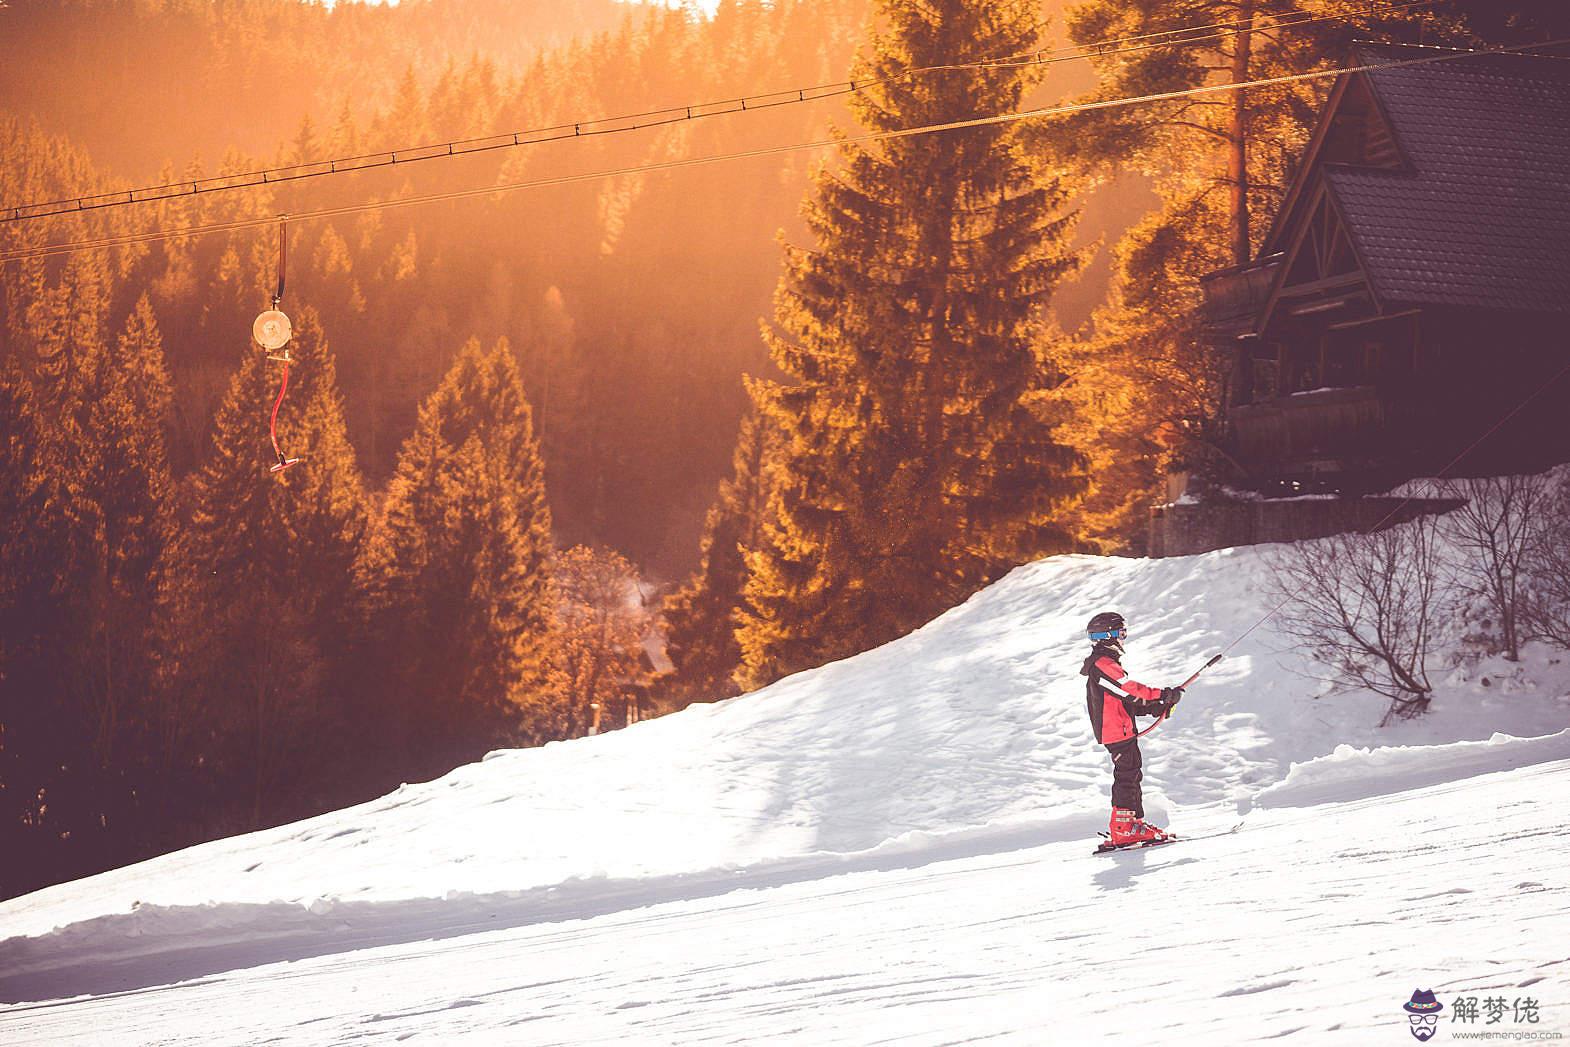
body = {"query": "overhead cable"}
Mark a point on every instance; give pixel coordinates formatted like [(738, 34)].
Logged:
[(602, 126), (696, 161)]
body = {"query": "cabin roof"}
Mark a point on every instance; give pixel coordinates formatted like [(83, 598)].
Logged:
[(1478, 214)]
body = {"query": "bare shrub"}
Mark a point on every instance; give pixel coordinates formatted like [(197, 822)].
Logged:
[(1547, 602), (1363, 607), (1496, 534)]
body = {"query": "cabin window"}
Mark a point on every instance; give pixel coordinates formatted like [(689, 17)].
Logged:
[(1267, 379)]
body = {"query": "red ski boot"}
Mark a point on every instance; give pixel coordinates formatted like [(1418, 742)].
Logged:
[(1126, 829), (1147, 833)]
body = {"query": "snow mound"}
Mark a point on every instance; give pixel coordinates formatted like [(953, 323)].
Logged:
[(1351, 773)]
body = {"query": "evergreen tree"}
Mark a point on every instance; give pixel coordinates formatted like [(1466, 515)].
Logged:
[(700, 619), (919, 460), (36, 748), (89, 514), (273, 592), (1508, 22), (126, 504), (458, 574), (92, 510)]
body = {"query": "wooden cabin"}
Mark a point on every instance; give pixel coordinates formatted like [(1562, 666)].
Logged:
[(1415, 287)]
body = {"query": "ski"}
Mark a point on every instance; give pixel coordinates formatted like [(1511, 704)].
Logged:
[(1108, 847)]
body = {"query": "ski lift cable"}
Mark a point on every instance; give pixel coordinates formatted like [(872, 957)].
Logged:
[(99, 243), (651, 118)]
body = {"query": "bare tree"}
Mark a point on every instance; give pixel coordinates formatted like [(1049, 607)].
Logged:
[(602, 620), (1547, 610), (1363, 607), (1497, 533)]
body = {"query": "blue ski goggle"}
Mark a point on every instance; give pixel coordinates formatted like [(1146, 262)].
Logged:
[(1110, 634)]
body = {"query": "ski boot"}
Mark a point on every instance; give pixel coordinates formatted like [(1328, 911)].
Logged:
[(1151, 834), (1126, 829)]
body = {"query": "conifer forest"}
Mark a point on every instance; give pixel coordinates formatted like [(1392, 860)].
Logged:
[(586, 430)]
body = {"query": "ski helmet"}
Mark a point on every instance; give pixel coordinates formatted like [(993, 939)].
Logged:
[(1108, 625)]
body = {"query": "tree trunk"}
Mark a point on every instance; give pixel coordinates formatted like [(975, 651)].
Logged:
[(1237, 135)]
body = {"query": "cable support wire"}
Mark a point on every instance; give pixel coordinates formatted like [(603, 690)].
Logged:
[(602, 126), (50, 250)]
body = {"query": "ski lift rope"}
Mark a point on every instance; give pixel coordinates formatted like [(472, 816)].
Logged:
[(673, 114)]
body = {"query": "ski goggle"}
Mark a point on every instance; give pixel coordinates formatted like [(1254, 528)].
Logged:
[(1109, 634)]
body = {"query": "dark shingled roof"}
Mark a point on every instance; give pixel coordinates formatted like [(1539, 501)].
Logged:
[(1481, 215)]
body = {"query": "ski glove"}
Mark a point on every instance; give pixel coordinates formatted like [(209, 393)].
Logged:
[(1170, 696)]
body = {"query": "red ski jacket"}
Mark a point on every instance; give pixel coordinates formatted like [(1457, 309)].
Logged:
[(1114, 699)]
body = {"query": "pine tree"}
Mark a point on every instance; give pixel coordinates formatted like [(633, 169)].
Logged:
[(920, 461), (89, 515), (458, 573), (700, 619), (126, 502), (35, 547), (273, 588), (1518, 22)]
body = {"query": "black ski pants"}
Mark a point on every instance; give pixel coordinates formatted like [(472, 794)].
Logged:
[(1126, 775)]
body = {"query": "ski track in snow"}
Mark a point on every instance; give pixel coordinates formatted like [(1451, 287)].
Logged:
[(892, 848)]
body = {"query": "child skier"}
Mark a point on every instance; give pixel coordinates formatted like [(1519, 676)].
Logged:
[(1114, 700)]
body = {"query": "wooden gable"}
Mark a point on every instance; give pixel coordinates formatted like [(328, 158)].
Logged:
[(1324, 251), (1360, 133), (1320, 271), (1354, 130)]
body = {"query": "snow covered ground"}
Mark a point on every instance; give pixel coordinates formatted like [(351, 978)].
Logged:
[(1316, 921), (893, 848)]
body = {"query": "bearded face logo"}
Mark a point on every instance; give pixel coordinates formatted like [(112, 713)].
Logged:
[(1423, 1014)]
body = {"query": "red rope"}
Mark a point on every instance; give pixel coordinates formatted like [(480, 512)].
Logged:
[(1161, 720), (273, 426)]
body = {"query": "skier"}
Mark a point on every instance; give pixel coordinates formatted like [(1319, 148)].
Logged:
[(1114, 700)]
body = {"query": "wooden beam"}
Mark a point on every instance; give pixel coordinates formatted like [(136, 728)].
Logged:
[(1329, 283), (1329, 305), (1347, 325)]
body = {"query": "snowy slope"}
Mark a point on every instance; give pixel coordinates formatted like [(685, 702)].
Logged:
[(964, 744), (1311, 922)]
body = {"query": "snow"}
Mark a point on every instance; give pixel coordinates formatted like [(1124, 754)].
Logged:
[(1318, 921), (894, 847), (1350, 773)]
